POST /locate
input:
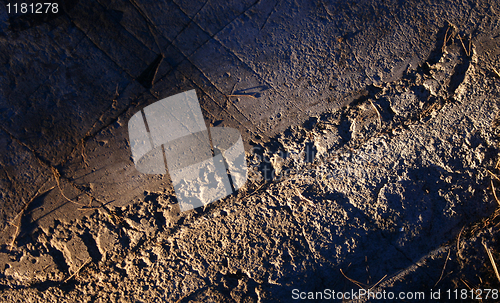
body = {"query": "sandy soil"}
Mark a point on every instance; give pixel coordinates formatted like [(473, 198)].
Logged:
[(370, 131)]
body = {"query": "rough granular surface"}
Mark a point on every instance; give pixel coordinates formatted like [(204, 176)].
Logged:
[(370, 132)]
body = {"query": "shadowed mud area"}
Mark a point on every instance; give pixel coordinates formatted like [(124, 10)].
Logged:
[(370, 133)]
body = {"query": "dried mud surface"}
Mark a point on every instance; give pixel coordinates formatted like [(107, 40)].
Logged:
[(371, 136)]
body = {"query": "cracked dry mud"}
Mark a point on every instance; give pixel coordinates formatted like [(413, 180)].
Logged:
[(373, 158)]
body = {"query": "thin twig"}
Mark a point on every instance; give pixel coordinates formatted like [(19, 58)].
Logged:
[(494, 175), (185, 296), (21, 213), (492, 261), (378, 113), (378, 282), (156, 70), (242, 95), (463, 45), (78, 270), (470, 45), (466, 284), (450, 36), (359, 284), (498, 76), (445, 39), (494, 193), (301, 197), (255, 190), (57, 176), (458, 240), (472, 289), (89, 207), (234, 86), (444, 267)]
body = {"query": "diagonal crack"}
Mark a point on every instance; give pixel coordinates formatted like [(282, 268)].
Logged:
[(99, 48), (270, 13), (191, 20), (218, 90), (235, 56), (197, 68), (148, 22)]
